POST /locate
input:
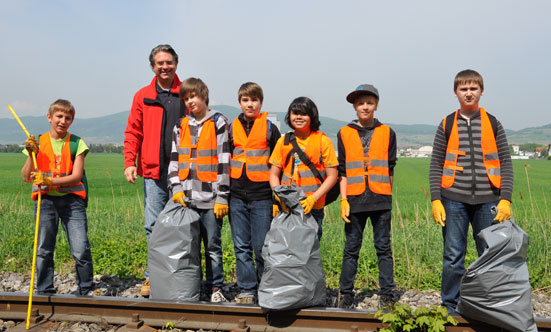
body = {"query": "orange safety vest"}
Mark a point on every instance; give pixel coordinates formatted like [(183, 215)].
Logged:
[(55, 167), (374, 166), (307, 181), (207, 156), (489, 152), (252, 151)]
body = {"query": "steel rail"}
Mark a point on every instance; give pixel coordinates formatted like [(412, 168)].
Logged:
[(137, 313)]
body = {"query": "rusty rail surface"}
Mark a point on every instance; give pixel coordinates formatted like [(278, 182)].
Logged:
[(136, 314)]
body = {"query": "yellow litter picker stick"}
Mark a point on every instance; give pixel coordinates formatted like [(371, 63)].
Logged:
[(36, 227)]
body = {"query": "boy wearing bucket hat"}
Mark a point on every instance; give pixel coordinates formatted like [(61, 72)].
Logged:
[(367, 156)]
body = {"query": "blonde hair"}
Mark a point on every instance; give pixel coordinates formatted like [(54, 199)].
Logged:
[(62, 105)]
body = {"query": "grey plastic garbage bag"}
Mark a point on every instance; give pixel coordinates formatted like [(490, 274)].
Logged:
[(496, 288), (174, 256), (293, 274)]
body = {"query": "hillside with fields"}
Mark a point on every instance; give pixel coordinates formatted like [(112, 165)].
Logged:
[(110, 129)]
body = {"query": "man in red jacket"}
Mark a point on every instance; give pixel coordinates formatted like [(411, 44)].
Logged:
[(148, 136)]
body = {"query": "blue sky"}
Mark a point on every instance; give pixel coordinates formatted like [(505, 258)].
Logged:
[(95, 53)]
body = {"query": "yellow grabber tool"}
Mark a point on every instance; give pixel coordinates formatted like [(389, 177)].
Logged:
[(36, 227)]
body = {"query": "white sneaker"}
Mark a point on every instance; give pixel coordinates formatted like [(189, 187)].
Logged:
[(217, 296)]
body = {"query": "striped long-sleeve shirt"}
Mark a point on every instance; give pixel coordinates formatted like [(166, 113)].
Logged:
[(472, 185), (202, 194)]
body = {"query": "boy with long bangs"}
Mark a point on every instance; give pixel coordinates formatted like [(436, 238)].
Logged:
[(199, 169), (252, 139), (367, 156), (471, 175), (59, 177)]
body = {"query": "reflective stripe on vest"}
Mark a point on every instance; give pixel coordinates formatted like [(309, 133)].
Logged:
[(207, 156), (56, 167), (307, 181), (252, 151), (376, 163), (489, 152)]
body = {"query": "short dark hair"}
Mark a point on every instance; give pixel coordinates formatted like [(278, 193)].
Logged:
[(468, 76), (304, 106), (250, 89), (162, 48), (196, 85)]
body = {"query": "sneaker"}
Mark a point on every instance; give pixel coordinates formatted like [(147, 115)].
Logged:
[(386, 302), (246, 298), (217, 296), (146, 289), (345, 301)]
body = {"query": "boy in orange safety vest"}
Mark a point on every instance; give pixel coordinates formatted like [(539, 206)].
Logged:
[(252, 139), (367, 156), (60, 180), (199, 170), (471, 179)]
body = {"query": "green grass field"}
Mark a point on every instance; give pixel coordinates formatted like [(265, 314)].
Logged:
[(115, 220)]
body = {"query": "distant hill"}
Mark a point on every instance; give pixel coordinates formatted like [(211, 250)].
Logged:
[(110, 129)]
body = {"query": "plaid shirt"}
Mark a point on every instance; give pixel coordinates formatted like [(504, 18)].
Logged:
[(202, 194)]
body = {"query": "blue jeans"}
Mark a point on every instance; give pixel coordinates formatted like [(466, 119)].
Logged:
[(354, 232), (155, 198), (211, 236), (318, 215), (72, 212), (249, 222), (458, 217)]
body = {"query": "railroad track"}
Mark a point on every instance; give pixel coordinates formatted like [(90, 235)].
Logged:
[(146, 315)]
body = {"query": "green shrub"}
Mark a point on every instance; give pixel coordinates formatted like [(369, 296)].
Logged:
[(404, 318)]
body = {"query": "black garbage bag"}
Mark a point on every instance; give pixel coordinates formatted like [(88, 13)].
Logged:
[(293, 274), (495, 288), (174, 255)]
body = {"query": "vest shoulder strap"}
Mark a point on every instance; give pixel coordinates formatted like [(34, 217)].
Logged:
[(73, 142), (451, 117)]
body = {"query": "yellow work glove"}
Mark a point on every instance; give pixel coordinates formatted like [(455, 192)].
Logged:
[(345, 209), (40, 180), (283, 207), (275, 210), (438, 212), (503, 210), (220, 210), (179, 198), (308, 204), (31, 145)]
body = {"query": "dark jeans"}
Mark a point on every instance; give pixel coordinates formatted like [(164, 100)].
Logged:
[(72, 212), (458, 217), (318, 215), (211, 236), (249, 222), (381, 239)]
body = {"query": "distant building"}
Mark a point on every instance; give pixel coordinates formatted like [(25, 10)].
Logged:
[(422, 152)]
